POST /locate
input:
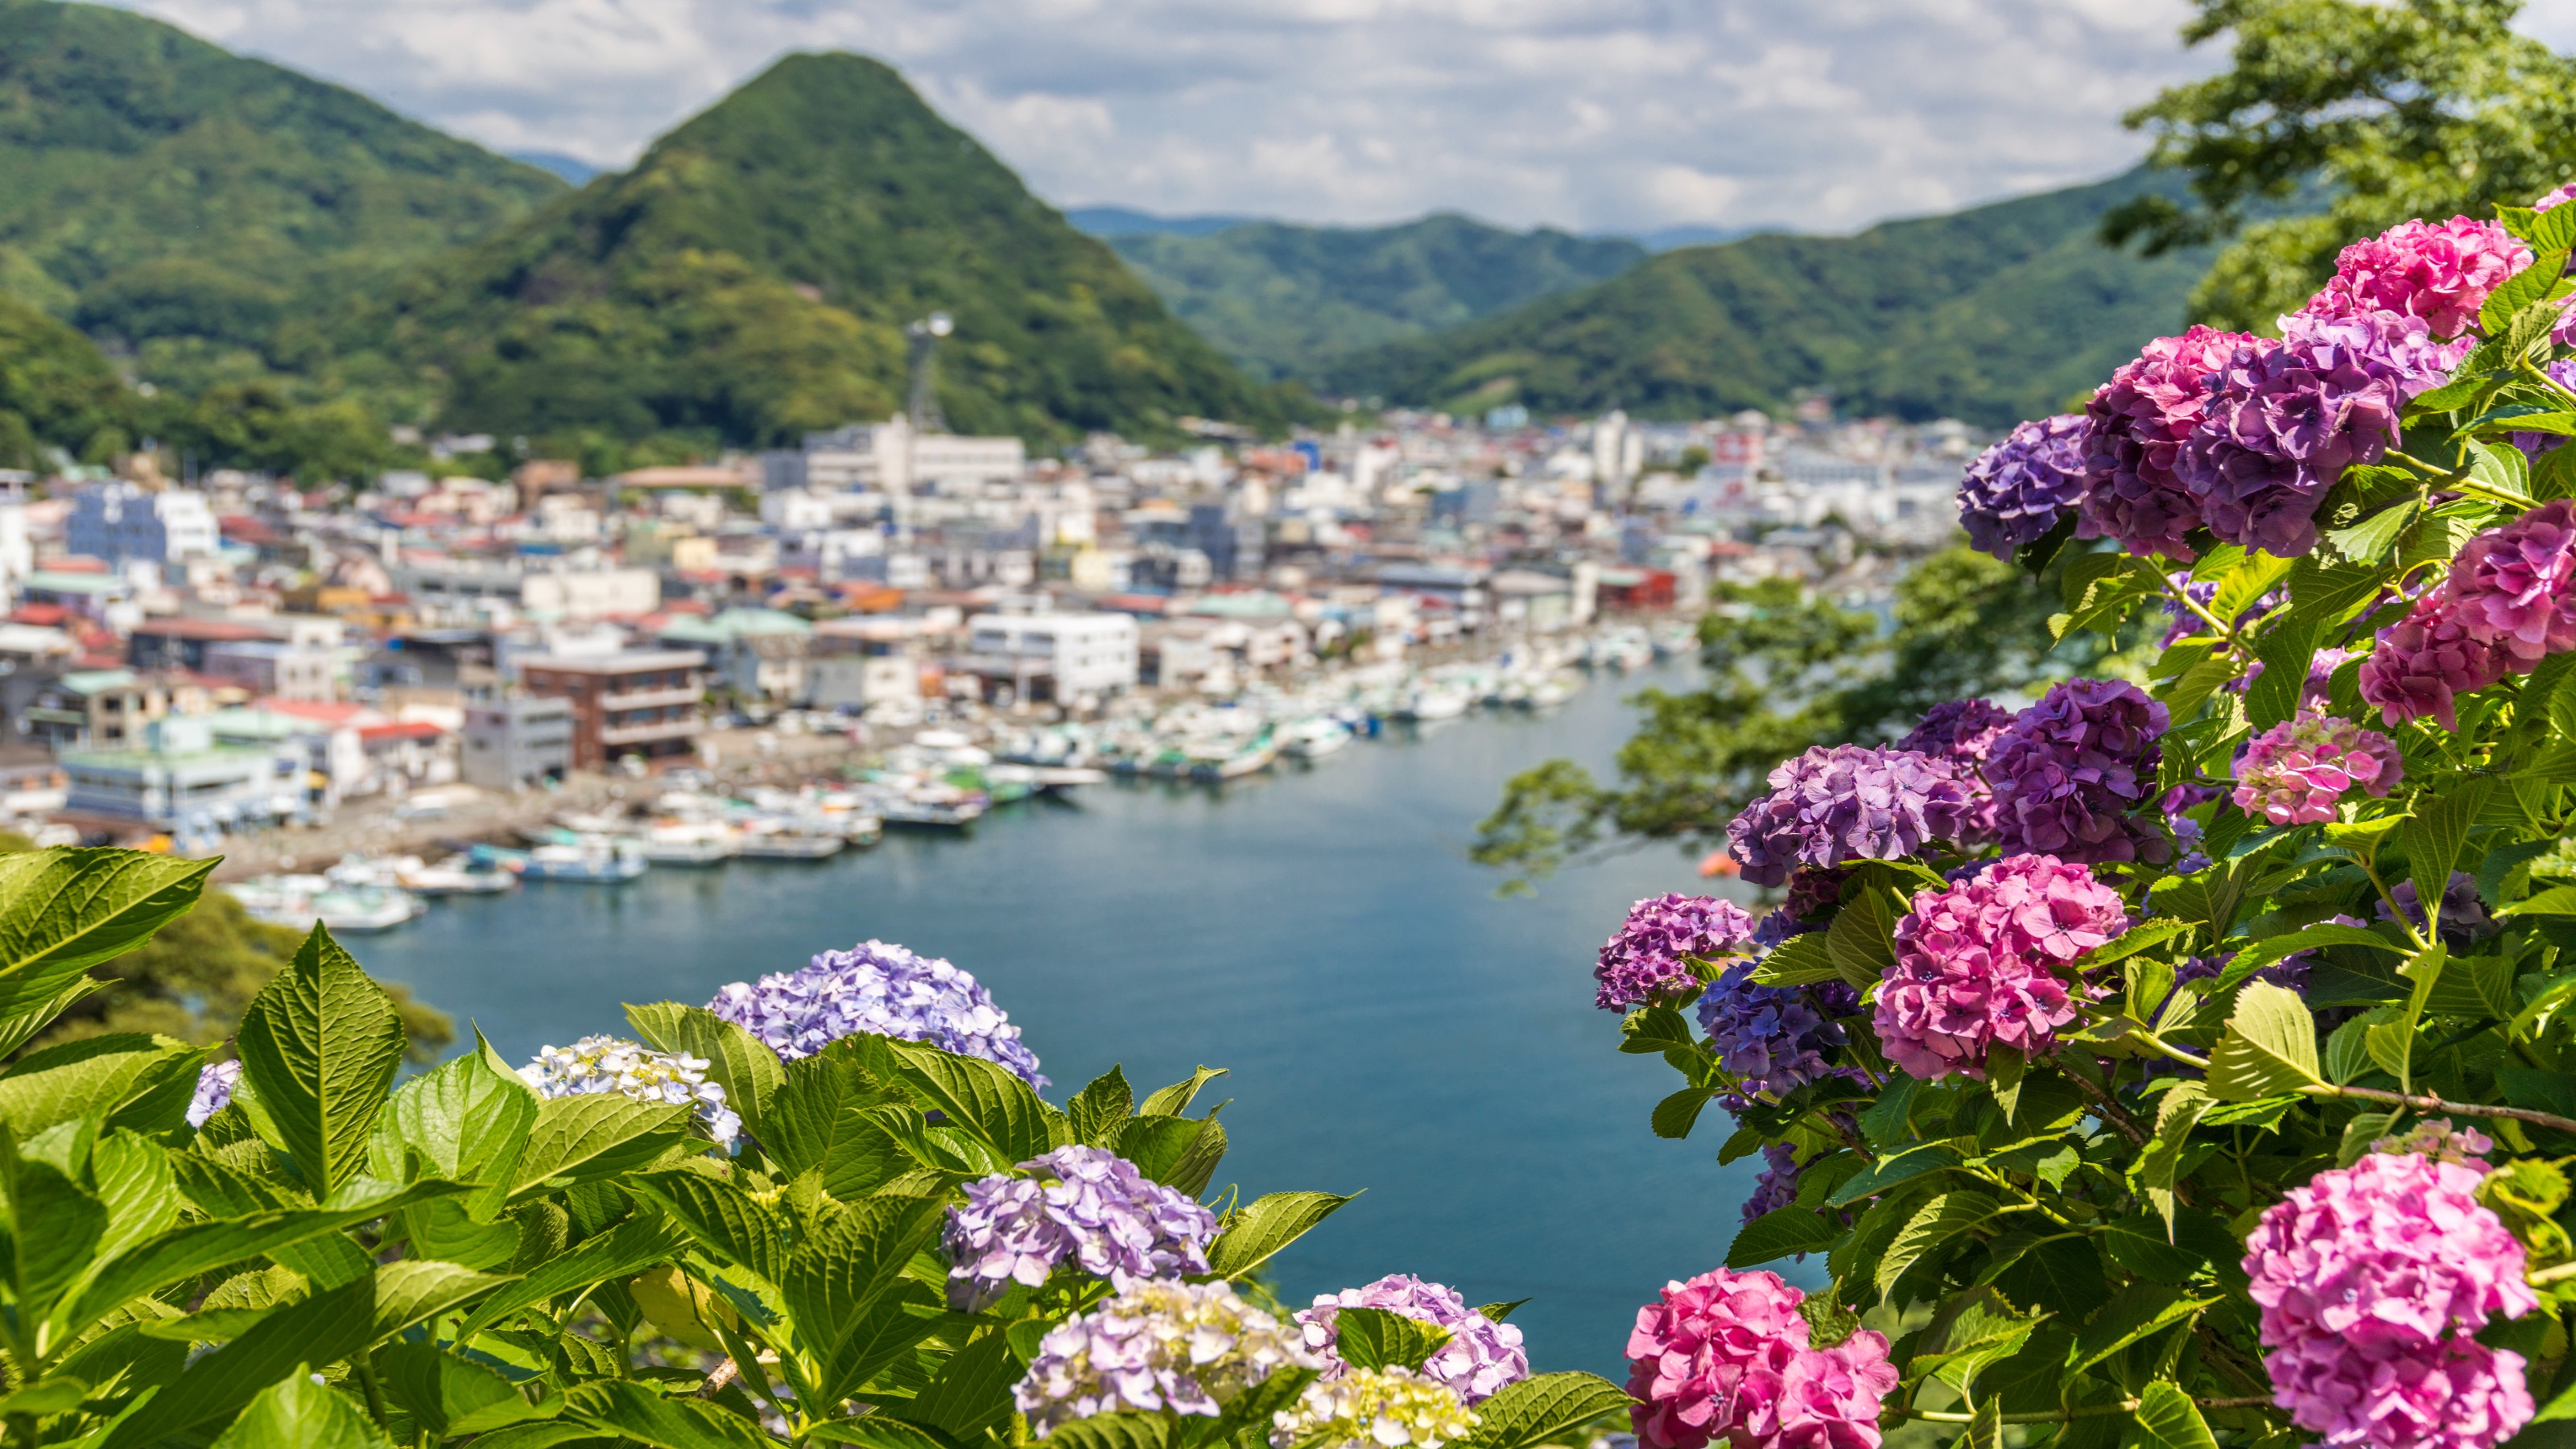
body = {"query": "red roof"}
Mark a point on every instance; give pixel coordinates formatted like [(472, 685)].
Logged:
[(415, 729), (330, 713), (45, 614), (246, 529), (72, 563)]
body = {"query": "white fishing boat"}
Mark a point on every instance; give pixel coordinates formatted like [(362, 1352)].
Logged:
[(594, 863), (788, 845), (1061, 778), (1314, 737), (1433, 702), (931, 812), (455, 876), (690, 842), (363, 910), (1233, 759)]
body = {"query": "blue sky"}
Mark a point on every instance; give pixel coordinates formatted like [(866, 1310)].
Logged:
[(1587, 114)]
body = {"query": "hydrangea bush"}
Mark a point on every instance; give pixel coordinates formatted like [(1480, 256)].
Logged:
[(2208, 1077), (830, 1209)]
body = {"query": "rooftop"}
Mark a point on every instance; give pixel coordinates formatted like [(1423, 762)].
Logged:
[(629, 662)]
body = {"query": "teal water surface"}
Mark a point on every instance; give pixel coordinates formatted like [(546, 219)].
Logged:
[(1389, 1024)]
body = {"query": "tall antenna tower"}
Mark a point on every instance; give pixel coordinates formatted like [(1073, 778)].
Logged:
[(924, 408)]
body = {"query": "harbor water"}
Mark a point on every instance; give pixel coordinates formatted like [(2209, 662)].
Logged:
[(1390, 1025)]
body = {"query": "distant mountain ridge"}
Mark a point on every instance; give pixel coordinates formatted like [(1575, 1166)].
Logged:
[(1993, 314), (1283, 300)]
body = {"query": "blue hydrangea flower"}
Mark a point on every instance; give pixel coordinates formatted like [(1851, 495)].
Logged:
[(881, 989), (1079, 1204)]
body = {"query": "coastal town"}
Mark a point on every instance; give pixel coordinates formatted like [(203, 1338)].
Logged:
[(892, 624)]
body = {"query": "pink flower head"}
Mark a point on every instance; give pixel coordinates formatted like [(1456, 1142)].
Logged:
[(2422, 662), (2515, 586), (2140, 419), (1693, 1347), (2461, 1395), (2394, 1254), (2296, 771), (1820, 1398), (1647, 962), (2441, 273), (2563, 194), (1976, 964)]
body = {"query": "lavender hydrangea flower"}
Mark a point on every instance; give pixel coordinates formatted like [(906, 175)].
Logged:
[(2017, 490), (1077, 1204), (1480, 1360), (1646, 963), (1181, 1348), (1778, 1186), (215, 1083), (597, 1064), (2073, 767), (880, 989), (1771, 1038), (2141, 419), (2464, 917), (1964, 731), (1843, 802)]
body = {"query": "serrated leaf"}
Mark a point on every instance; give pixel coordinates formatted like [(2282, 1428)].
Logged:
[(322, 1329), (983, 1098), (65, 910), (468, 1120), (1801, 959), (91, 1077), (1675, 1115), (597, 1135), (1175, 1099), (1376, 1338), (2159, 1163), (320, 1044), (2135, 1312), (623, 1251), (2166, 1418), (1252, 1235), (296, 1410), (826, 1119), (730, 1224), (1098, 1108), (1887, 1172), (1100, 1431), (636, 1412), (1943, 1217), (441, 1390), (1178, 1152), (2270, 1046), (1539, 1409), (2434, 837), (1780, 1233), (1861, 941), (737, 1061)]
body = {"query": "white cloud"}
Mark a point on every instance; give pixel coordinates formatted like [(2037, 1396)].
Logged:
[(1590, 114)]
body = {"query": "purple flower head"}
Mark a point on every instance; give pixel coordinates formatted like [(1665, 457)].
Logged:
[(2562, 194), (2288, 416), (1962, 729), (2419, 665), (1845, 802), (1646, 963), (2141, 418), (2297, 771), (2439, 272), (2464, 917), (1077, 1204), (2073, 767), (1183, 1348), (1977, 965), (2017, 490), (215, 1083), (2182, 623), (1771, 1038), (880, 989), (2515, 587), (1480, 1360), (1778, 1186)]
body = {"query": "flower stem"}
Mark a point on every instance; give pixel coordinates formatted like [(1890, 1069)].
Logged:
[(2083, 1411), (2430, 1104)]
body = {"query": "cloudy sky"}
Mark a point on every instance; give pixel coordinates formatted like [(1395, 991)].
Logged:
[(1589, 114)]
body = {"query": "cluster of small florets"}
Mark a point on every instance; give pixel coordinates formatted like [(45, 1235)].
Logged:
[(1386, 1408), (2017, 490), (1964, 731), (2071, 770), (1646, 963), (2438, 1140), (881, 989), (1181, 1348), (1769, 1038), (2297, 771), (1845, 802), (597, 1064), (1077, 1204), (2508, 602), (2140, 420), (1977, 965), (2441, 272), (1480, 1360), (1777, 1187), (1726, 1356), (215, 1083), (2373, 1280)]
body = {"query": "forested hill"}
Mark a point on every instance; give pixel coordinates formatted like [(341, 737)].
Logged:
[(750, 278), (1283, 300), (163, 193), (1992, 315)]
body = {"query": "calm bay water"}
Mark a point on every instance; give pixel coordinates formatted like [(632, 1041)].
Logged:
[(1389, 1023)]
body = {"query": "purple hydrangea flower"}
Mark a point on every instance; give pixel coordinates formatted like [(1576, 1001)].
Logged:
[(1182, 1348), (1645, 964), (1844, 802), (1961, 729), (2420, 665), (880, 989), (1771, 1038), (2073, 767), (2288, 416), (2018, 489), (1080, 1204), (2464, 917), (1480, 1360), (1778, 1185), (215, 1083), (2515, 587), (2141, 418)]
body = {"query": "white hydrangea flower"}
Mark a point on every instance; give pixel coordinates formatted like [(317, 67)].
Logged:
[(598, 1064)]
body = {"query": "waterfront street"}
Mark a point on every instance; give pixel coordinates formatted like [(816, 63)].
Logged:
[(1390, 1024)]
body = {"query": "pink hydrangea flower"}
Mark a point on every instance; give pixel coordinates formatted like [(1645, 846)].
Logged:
[(2296, 771), (1647, 962), (2439, 272), (2515, 586), (2140, 420), (1725, 1356), (2392, 1252), (1976, 964), (2462, 1395), (2419, 664), (2563, 194)]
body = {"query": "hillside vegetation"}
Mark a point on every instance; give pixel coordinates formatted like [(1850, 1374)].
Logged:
[(1283, 300), (750, 277), (1992, 314)]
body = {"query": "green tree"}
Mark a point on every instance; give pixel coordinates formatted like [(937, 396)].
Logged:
[(2356, 113), (56, 391), (1788, 669)]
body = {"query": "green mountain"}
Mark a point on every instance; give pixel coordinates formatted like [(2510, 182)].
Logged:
[(170, 197), (56, 391), (1282, 300), (751, 277), (1991, 315)]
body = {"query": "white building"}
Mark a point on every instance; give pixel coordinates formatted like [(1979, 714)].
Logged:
[(889, 457), (272, 667), (122, 522), (1089, 654)]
